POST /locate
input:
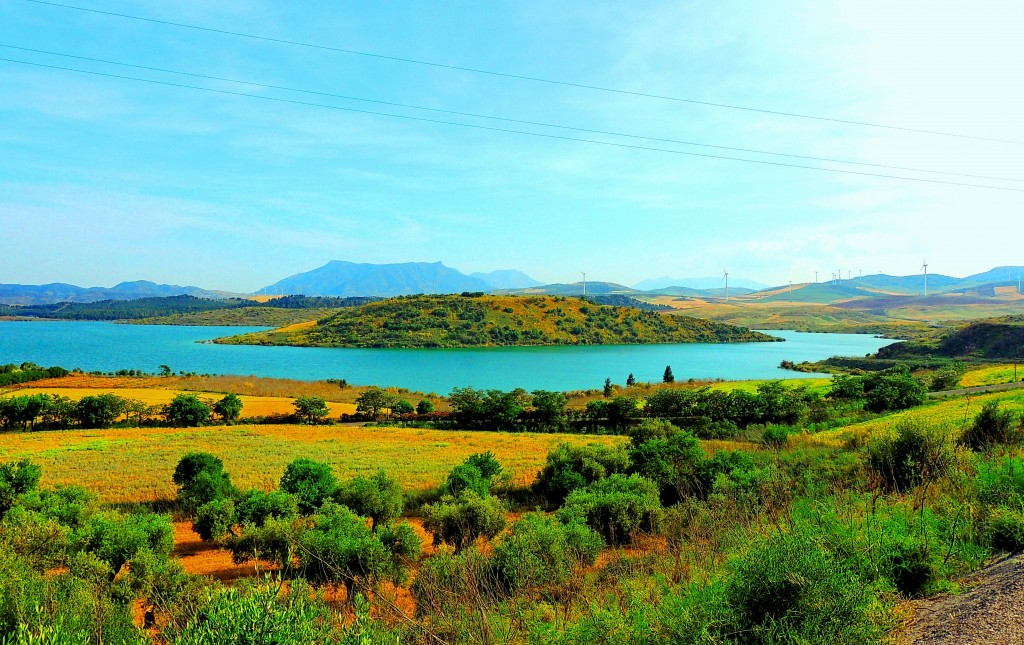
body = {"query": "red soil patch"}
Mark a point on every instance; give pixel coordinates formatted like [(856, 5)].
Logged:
[(206, 559)]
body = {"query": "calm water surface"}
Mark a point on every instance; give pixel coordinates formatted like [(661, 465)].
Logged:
[(108, 347)]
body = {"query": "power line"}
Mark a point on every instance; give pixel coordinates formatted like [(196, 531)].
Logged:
[(522, 77), (511, 131), (507, 119)]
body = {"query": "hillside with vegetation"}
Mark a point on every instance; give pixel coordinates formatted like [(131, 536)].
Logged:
[(190, 310), (476, 320), (988, 339)]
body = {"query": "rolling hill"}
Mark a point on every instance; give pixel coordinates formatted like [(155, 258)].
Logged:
[(491, 321)]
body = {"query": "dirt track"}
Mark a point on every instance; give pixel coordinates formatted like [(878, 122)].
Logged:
[(990, 611)]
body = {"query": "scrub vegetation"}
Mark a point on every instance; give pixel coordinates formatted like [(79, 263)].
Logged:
[(476, 320), (753, 514)]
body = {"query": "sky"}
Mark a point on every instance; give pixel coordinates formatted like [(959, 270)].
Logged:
[(106, 179)]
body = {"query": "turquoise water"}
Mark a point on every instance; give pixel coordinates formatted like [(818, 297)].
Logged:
[(109, 347)]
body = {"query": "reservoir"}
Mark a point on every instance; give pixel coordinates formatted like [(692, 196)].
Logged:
[(109, 347)]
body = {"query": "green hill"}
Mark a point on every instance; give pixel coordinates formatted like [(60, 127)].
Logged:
[(474, 320), (991, 338)]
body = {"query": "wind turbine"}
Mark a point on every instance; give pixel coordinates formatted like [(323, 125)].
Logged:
[(815, 277), (924, 265), (584, 283), (726, 278)]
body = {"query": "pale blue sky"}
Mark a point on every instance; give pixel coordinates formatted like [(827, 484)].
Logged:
[(104, 180)]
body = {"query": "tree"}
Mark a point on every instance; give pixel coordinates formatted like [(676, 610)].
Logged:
[(549, 410), (201, 478), (668, 377), (425, 406), (402, 406), (607, 387), (16, 479), (373, 401), (229, 408), (378, 497), (311, 409), (165, 370), (98, 411), (893, 389), (460, 520), (187, 410), (630, 380), (311, 482)]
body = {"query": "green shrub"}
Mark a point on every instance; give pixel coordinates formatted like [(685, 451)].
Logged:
[(466, 477), (673, 462), (775, 436), (378, 497), (449, 582), (256, 507), (541, 550), (116, 538), (991, 428), (187, 410), (201, 478), (568, 468), (16, 479), (214, 519), (402, 406), (947, 377), (914, 454), (486, 463), (311, 482), (459, 521), (274, 541), (249, 613), (1006, 529), (788, 589), (339, 547), (1001, 482), (616, 507), (69, 505)]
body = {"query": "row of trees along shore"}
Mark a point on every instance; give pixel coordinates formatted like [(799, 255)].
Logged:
[(710, 413)]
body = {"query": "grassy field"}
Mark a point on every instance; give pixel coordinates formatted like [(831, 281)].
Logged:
[(993, 375), (135, 464), (955, 412)]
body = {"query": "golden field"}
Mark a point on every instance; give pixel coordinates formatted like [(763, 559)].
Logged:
[(135, 464)]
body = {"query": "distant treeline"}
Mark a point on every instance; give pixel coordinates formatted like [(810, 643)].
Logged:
[(156, 307), (12, 374)]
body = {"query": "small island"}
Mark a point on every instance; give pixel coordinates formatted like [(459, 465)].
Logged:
[(478, 320)]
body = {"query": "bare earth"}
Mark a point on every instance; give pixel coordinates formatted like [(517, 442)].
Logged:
[(989, 612)]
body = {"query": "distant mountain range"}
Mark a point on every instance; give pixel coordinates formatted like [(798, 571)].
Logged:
[(21, 294), (348, 279)]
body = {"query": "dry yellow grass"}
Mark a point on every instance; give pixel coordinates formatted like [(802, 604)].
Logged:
[(955, 412), (135, 464), (252, 406), (992, 375)]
